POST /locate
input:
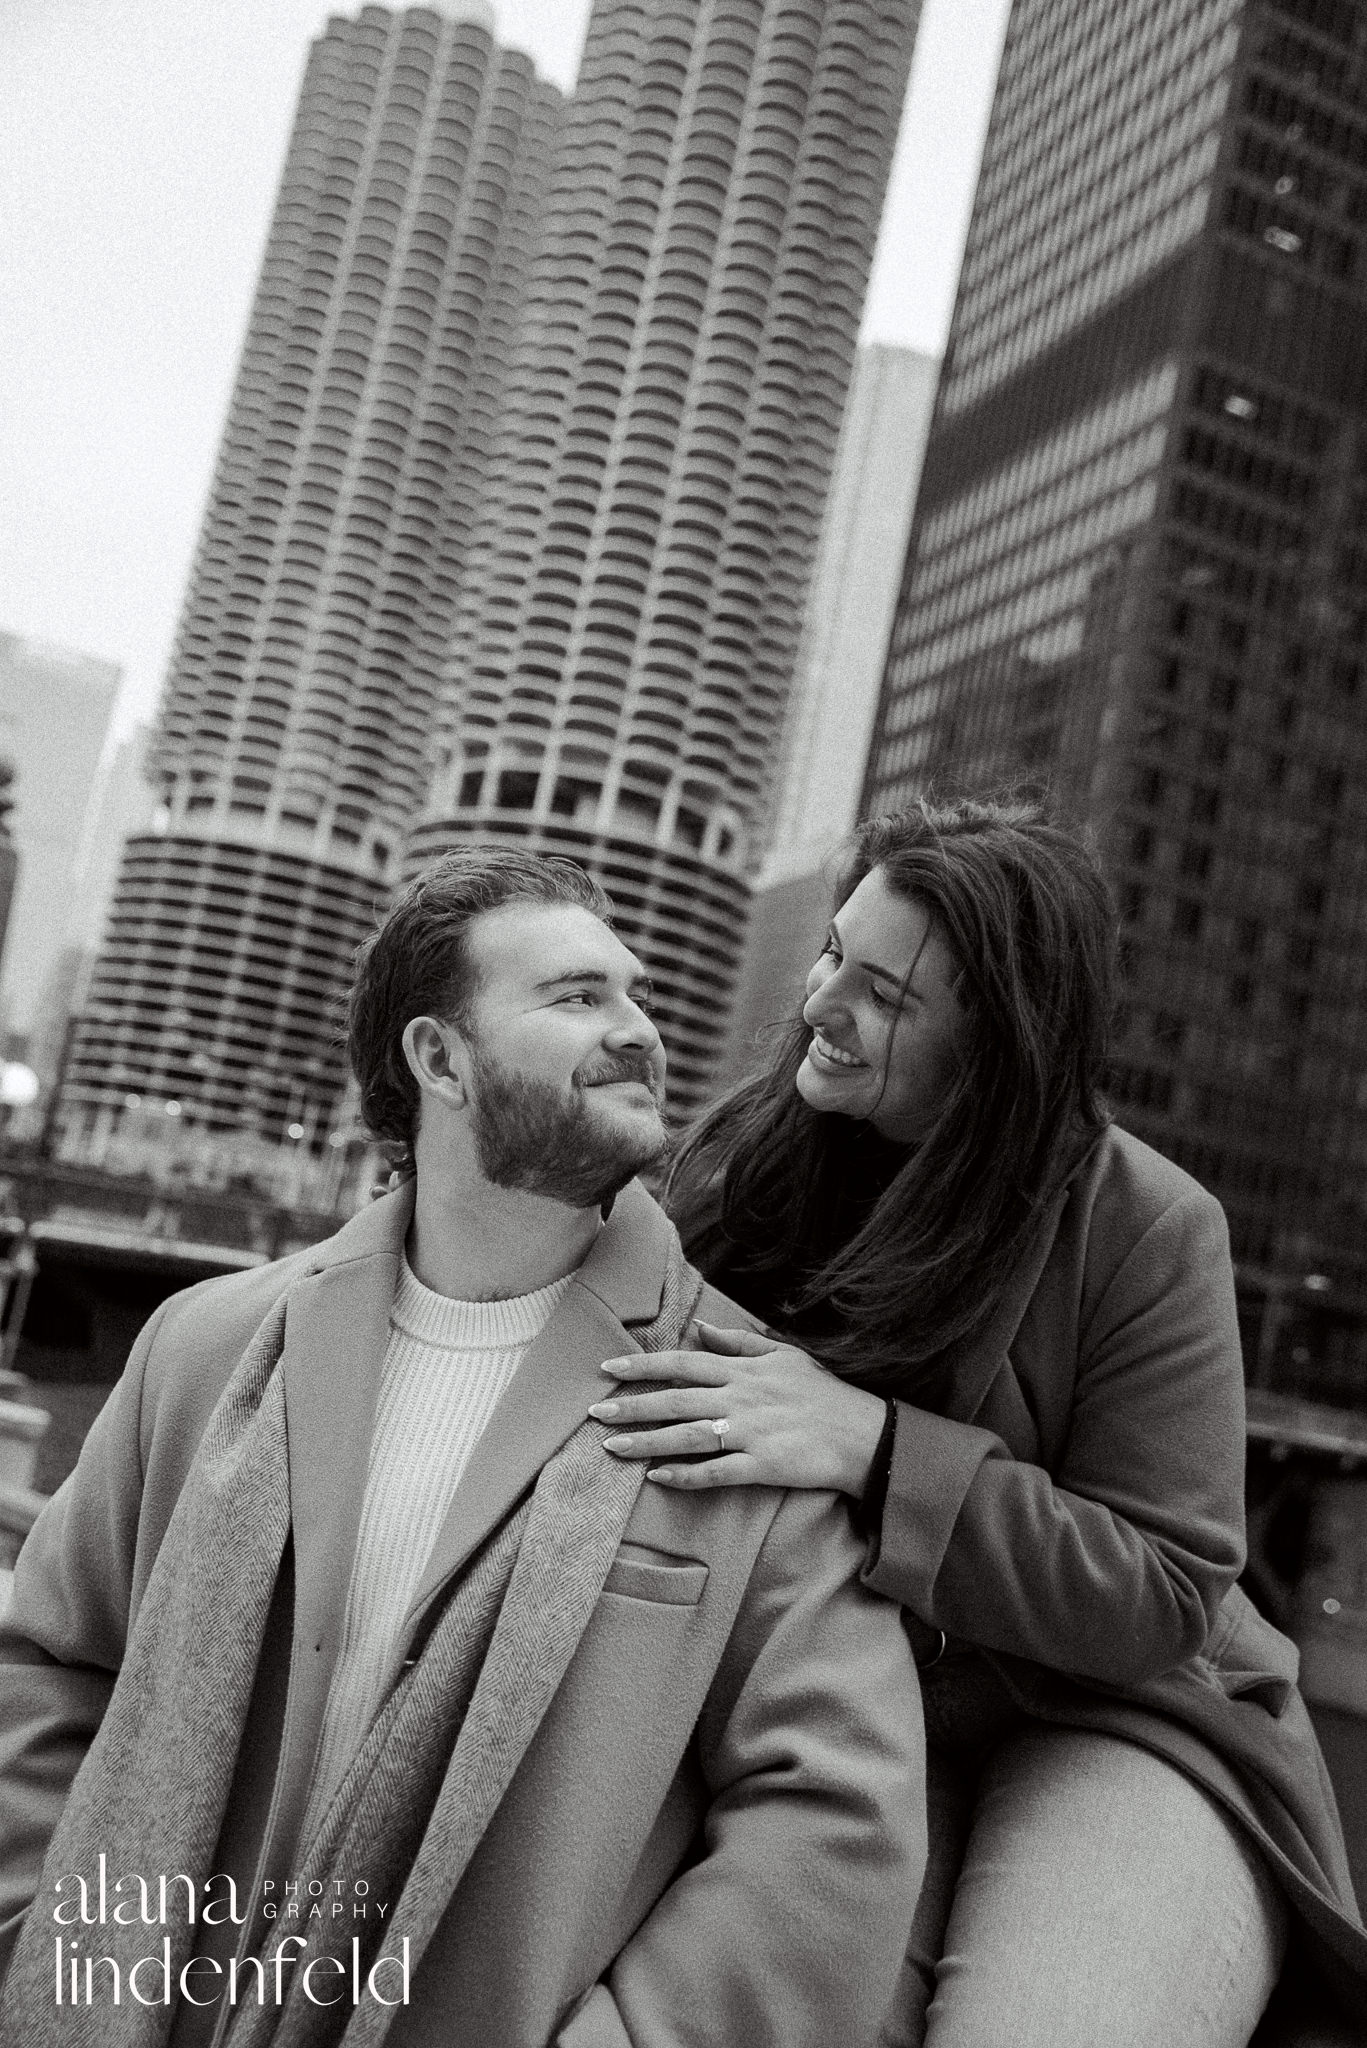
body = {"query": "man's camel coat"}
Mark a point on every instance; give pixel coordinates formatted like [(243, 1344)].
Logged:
[(717, 1833)]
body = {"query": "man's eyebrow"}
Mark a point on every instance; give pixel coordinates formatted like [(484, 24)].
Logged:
[(594, 977), (589, 974)]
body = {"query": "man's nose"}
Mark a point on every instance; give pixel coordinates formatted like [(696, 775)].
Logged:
[(633, 1027)]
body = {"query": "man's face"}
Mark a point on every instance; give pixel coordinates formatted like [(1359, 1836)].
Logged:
[(566, 1069)]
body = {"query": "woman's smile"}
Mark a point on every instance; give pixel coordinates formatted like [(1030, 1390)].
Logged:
[(831, 1058)]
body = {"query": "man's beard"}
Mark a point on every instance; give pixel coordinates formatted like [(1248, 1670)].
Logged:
[(530, 1135)]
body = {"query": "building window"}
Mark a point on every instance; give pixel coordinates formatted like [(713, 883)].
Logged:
[(517, 789), (1169, 1031)]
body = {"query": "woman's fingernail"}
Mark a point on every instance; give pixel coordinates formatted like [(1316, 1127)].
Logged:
[(613, 1366), (665, 1472), (615, 1443), (606, 1411)]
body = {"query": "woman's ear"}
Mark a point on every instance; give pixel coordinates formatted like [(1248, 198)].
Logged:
[(436, 1058)]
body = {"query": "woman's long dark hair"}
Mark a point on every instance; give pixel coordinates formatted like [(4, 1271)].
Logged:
[(883, 1259)]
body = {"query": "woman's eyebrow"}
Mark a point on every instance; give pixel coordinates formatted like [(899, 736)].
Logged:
[(871, 967)]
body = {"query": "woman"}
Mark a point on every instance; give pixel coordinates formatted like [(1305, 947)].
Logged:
[(1009, 1335)]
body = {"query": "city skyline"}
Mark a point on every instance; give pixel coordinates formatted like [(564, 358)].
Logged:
[(130, 245)]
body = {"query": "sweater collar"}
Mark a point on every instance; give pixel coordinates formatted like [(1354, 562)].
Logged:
[(451, 1325)]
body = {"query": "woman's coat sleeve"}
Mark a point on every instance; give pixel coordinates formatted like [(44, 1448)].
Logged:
[(1111, 1567)]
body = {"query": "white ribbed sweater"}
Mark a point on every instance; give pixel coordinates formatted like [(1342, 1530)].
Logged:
[(446, 1366)]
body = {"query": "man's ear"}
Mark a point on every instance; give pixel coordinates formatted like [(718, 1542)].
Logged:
[(435, 1055)]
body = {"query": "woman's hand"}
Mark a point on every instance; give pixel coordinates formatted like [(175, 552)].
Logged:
[(787, 1422)]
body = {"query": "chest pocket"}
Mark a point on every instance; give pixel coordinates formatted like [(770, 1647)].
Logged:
[(640, 1573)]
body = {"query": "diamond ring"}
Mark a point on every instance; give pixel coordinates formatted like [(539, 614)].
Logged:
[(720, 1427)]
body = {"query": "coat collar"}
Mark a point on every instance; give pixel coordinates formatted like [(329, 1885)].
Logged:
[(336, 1336), (975, 1366), (982, 1367), (620, 1283), (625, 1267)]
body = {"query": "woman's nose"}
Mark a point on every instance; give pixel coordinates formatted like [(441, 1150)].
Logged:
[(823, 995)]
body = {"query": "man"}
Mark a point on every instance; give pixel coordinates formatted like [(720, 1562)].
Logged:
[(406, 1711)]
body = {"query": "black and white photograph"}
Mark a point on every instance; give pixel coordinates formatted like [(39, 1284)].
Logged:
[(683, 1024)]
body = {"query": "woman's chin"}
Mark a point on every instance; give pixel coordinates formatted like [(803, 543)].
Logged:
[(826, 1091)]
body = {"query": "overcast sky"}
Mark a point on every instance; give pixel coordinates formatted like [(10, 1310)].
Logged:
[(143, 142)]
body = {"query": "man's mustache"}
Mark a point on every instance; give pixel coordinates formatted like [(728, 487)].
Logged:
[(626, 1066)]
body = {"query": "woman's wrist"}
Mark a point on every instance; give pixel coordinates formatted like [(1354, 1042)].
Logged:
[(861, 1434)]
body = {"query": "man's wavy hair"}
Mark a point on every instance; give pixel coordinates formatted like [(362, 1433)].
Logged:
[(897, 1259), (418, 965)]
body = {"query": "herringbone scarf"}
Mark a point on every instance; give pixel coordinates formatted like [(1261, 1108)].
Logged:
[(420, 1792)]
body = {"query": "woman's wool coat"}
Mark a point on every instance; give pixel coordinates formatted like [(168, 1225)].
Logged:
[(1077, 1514)]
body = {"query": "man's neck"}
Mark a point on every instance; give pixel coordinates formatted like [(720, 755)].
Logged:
[(486, 1243)]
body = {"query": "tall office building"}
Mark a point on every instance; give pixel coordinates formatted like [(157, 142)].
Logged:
[(835, 690), (627, 629), (55, 708), (290, 748), (1139, 566)]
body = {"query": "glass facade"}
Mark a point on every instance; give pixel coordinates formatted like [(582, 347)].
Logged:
[(1102, 147), (1012, 585), (1139, 571)]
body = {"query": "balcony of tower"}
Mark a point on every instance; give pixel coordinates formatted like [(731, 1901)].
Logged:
[(646, 799), (219, 1004), (325, 825)]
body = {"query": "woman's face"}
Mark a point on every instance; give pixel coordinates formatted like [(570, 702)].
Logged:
[(884, 1047)]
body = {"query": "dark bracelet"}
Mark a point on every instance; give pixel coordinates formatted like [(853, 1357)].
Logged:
[(872, 1499)]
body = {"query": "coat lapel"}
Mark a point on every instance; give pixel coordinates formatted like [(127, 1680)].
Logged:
[(336, 1335), (977, 1368), (574, 1524), (548, 1398), (550, 1394)]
